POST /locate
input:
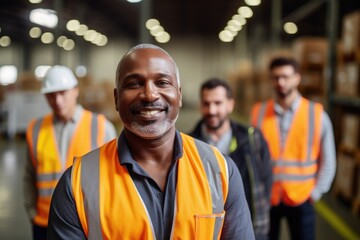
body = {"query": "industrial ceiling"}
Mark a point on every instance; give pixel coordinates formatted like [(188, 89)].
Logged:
[(204, 18)]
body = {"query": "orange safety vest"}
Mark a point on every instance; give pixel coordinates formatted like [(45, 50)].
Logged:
[(103, 190), (295, 165), (45, 155)]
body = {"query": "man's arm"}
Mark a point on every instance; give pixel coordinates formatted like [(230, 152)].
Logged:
[(327, 160), (267, 173), (29, 187), (237, 222), (64, 222)]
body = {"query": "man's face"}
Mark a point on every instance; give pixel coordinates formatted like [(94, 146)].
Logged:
[(215, 107), (285, 80), (63, 103), (148, 97)]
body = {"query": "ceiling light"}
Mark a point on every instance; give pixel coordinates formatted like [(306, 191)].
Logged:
[(35, 1), (35, 32), (69, 44), (134, 1), (44, 17), (47, 38), (8, 74), (81, 30), (226, 36), (245, 11), (156, 31), (60, 41), (232, 30), (253, 2), (239, 18), (80, 71), (290, 28), (152, 23), (103, 42), (163, 38), (73, 25), (234, 23), (5, 41), (90, 35)]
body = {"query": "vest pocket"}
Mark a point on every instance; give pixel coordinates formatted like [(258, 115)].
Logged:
[(208, 226)]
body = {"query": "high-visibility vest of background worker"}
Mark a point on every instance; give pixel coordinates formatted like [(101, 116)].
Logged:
[(55, 139), (301, 143)]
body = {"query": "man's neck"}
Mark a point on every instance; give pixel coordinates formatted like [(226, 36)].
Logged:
[(155, 156), (288, 101), (151, 149), (216, 134)]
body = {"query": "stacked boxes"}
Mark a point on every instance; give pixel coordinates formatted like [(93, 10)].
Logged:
[(345, 176), (99, 97), (351, 36), (348, 120), (347, 157), (311, 54), (347, 81)]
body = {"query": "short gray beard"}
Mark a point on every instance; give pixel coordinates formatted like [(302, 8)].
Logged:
[(152, 131)]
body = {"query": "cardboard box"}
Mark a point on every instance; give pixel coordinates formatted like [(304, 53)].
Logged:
[(353, 77), (351, 33), (312, 79), (310, 52), (27, 81), (350, 132), (347, 80), (340, 81), (345, 176)]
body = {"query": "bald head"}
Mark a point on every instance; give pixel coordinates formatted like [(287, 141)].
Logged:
[(140, 47)]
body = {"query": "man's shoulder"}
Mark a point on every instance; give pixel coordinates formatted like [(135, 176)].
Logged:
[(243, 128), (196, 132)]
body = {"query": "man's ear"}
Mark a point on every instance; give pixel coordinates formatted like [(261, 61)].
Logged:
[(298, 78), (180, 99), (231, 105), (116, 99)]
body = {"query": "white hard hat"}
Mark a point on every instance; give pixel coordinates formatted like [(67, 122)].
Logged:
[(58, 78)]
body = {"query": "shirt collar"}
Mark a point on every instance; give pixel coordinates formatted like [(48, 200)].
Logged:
[(293, 107), (224, 140), (76, 117), (125, 156)]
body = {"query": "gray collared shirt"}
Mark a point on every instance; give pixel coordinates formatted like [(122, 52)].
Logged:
[(223, 143), (64, 222)]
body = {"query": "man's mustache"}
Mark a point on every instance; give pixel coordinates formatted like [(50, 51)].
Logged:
[(140, 106)]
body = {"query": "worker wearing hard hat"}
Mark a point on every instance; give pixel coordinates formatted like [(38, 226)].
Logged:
[(53, 141)]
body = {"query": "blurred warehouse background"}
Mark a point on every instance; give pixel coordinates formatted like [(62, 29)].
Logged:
[(231, 39)]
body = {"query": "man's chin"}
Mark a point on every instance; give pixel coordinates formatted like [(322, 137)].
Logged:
[(213, 127), (152, 131)]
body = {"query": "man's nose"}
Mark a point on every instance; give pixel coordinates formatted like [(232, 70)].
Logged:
[(150, 92), (212, 109)]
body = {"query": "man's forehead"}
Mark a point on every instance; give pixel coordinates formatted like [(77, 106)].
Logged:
[(145, 55)]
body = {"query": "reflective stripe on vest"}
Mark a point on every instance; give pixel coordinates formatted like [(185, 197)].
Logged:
[(98, 205), (45, 155), (295, 166)]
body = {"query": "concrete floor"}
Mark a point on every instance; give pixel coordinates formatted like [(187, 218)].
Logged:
[(14, 224)]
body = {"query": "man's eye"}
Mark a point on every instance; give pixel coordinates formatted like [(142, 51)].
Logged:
[(163, 83), (133, 84)]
